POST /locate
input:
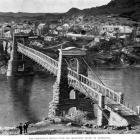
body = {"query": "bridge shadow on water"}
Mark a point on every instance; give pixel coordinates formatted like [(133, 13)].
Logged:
[(20, 88)]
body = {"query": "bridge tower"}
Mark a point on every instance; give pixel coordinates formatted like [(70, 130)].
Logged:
[(15, 57), (69, 57), (12, 63)]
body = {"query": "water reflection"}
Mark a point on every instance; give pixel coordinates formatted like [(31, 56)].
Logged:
[(25, 98), (20, 89)]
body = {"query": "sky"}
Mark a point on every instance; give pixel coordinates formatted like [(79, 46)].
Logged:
[(47, 6)]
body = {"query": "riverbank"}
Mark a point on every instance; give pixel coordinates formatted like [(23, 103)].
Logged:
[(49, 127)]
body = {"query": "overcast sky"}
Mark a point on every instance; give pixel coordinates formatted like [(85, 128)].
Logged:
[(47, 5)]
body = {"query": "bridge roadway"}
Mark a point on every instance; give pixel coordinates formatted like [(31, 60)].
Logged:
[(80, 82)]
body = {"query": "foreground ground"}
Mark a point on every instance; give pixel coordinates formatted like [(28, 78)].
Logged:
[(49, 128)]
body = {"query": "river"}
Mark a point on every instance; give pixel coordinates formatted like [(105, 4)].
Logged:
[(27, 98), (125, 80)]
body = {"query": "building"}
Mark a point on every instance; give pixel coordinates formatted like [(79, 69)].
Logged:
[(40, 28), (116, 29), (49, 38)]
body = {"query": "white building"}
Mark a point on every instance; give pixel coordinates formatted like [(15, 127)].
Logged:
[(48, 38), (40, 28), (115, 29), (66, 26)]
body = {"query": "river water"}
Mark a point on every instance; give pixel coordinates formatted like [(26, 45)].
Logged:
[(27, 98), (125, 80)]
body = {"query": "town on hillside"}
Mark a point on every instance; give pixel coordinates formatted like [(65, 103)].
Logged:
[(107, 41)]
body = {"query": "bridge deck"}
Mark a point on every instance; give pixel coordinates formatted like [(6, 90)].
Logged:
[(120, 109)]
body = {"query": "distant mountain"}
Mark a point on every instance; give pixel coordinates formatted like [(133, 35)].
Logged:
[(123, 8), (122, 3), (21, 16), (73, 11)]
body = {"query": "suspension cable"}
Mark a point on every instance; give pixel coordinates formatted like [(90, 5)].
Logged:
[(93, 72)]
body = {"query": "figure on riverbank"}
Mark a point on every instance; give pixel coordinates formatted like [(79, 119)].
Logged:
[(25, 128), (20, 128)]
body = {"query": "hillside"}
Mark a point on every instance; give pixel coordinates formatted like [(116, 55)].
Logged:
[(122, 8), (126, 8)]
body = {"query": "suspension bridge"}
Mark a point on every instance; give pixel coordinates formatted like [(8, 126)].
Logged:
[(68, 78)]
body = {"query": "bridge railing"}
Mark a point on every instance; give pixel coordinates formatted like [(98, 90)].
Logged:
[(82, 87), (115, 96), (41, 58), (46, 57)]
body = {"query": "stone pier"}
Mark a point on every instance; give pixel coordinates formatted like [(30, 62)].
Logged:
[(12, 63), (17, 59), (61, 89), (100, 109)]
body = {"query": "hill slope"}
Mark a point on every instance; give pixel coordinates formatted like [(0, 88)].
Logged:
[(124, 8)]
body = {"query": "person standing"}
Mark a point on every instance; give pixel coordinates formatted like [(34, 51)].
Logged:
[(20, 128), (25, 128)]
